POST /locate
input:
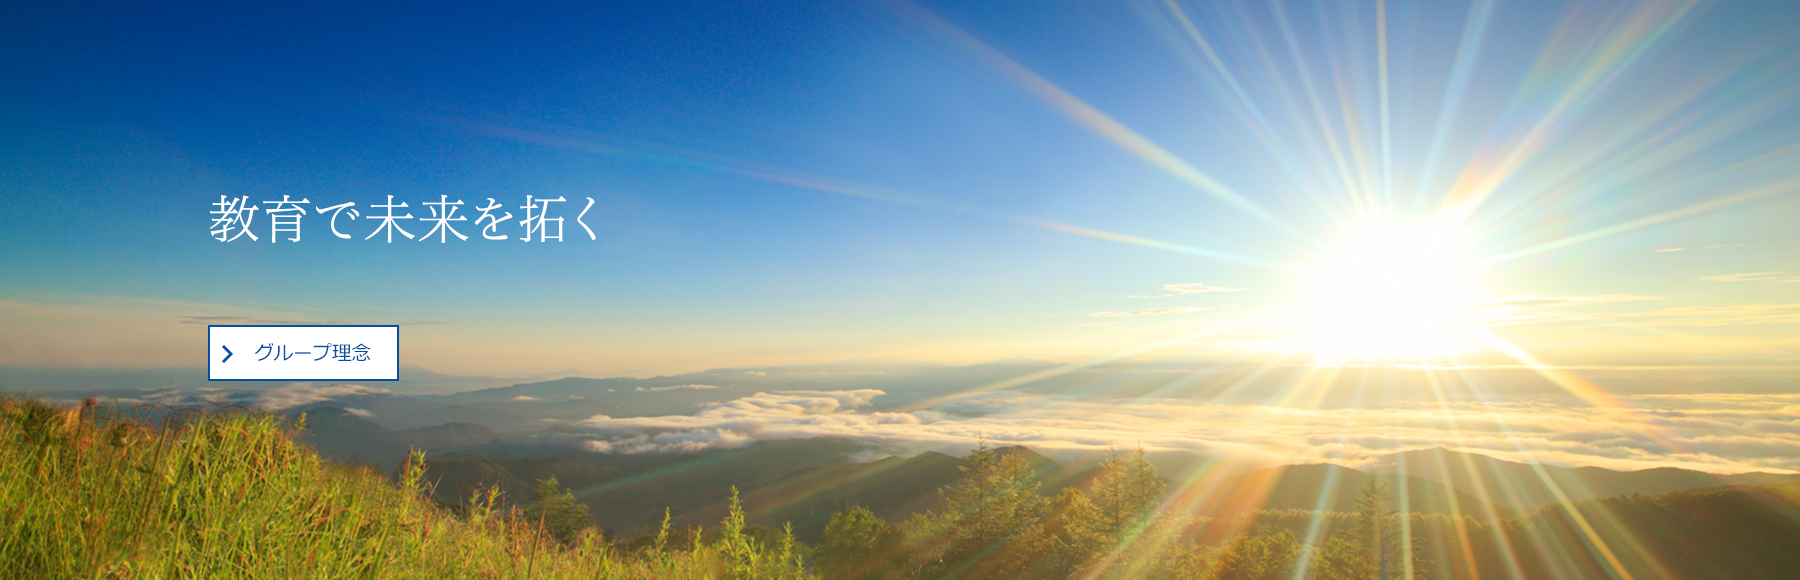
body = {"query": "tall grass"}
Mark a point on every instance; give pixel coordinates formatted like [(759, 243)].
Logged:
[(88, 492)]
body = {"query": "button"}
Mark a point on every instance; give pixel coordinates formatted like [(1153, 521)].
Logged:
[(303, 353)]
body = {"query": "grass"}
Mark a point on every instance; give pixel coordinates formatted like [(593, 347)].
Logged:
[(91, 492)]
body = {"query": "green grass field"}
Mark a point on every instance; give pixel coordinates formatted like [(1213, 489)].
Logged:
[(86, 492)]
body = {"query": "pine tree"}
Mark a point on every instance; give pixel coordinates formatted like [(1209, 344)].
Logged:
[(995, 502), (1373, 533), (1377, 551), (1126, 492), (996, 499)]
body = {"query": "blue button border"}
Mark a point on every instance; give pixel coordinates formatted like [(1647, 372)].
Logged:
[(209, 368)]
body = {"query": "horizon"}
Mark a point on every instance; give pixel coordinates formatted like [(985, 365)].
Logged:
[(908, 407)]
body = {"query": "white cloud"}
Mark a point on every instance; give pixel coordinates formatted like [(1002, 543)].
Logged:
[(1197, 288), (1532, 308), (1147, 312), (735, 423), (524, 398), (1536, 300), (1700, 249), (1719, 315), (1189, 288), (676, 388), (1745, 433), (297, 394), (1753, 277), (359, 412)]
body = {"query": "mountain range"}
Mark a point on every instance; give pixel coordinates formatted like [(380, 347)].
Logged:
[(804, 481)]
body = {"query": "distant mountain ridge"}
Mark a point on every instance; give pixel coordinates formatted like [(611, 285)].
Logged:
[(1329, 488), (1523, 486), (452, 434), (894, 488), (805, 481)]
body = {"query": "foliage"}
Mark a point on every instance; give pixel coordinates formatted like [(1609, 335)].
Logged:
[(994, 525), (994, 503), (557, 512), (1266, 555), (1126, 492), (1384, 546), (1340, 559), (90, 492), (856, 544)]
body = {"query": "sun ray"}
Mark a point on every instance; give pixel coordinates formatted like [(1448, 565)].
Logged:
[(1091, 118), (1387, 129), (1262, 127), (1570, 382), (1349, 173), (721, 164), (1714, 204), (1620, 48), (1467, 48)]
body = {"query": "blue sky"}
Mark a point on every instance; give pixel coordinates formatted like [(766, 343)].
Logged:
[(980, 163)]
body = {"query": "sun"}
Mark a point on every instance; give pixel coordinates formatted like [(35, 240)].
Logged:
[(1388, 290)]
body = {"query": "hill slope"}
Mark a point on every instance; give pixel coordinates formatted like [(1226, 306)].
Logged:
[(1525, 487), (234, 495), (1330, 488)]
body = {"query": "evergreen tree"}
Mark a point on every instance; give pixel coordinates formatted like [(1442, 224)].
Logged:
[(1376, 549), (556, 510), (996, 499), (1064, 538), (1126, 492), (1373, 533), (995, 502)]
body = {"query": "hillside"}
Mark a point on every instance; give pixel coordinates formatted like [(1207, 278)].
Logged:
[(626, 493), (448, 435), (344, 437), (92, 494), (803, 482), (1525, 487), (894, 488), (1740, 533), (1329, 488)]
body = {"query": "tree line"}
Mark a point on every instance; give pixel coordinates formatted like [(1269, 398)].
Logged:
[(994, 523)]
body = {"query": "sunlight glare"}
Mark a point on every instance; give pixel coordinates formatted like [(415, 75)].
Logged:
[(1388, 290)]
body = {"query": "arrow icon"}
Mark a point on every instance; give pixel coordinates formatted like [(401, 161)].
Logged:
[(227, 353)]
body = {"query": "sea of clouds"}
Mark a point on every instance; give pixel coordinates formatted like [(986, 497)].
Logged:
[(1710, 432)]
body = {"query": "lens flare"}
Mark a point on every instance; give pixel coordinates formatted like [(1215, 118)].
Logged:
[(1388, 290)]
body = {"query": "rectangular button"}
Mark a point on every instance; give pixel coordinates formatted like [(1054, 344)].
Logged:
[(303, 353)]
